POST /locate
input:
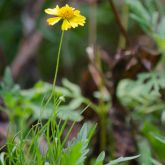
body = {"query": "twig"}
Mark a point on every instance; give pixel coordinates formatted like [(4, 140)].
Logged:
[(117, 17)]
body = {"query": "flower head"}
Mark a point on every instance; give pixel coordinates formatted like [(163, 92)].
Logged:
[(70, 16)]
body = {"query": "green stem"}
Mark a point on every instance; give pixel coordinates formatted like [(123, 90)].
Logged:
[(58, 62), (102, 110), (102, 129), (122, 40), (55, 75)]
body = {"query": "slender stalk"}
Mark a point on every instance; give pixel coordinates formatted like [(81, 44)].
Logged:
[(102, 115), (103, 133), (56, 70), (124, 18), (118, 20), (96, 61), (58, 62), (102, 110), (55, 75), (67, 135)]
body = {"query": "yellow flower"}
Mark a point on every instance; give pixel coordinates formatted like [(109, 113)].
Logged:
[(70, 16)]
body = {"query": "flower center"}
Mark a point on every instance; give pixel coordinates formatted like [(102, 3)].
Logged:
[(66, 12)]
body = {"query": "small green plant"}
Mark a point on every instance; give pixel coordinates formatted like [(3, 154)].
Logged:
[(44, 143), (38, 132), (150, 17), (144, 100)]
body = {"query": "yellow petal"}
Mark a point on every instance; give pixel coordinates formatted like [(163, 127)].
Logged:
[(65, 25), (76, 12), (53, 11), (73, 24), (54, 20), (77, 20), (69, 7)]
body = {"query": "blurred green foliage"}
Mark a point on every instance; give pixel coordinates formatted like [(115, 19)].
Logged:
[(151, 18), (74, 46), (142, 97), (24, 108), (147, 107)]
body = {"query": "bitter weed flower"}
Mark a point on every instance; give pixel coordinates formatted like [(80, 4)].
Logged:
[(70, 16)]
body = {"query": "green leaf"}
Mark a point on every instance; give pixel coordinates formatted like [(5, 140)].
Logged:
[(66, 113), (148, 130), (163, 117), (160, 41), (2, 158), (145, 152), (8, 82), (160, 28), (73, 154), (75, 103), (122, 159), (144, 93), (159, 138), (70, 111), (86, 131), (142, 22), (100, 159), (76, 152), (138, 9), (150, 5), (75, 89), (155, 162)]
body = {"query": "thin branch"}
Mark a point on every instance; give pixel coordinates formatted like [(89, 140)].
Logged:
[(118, 20)]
